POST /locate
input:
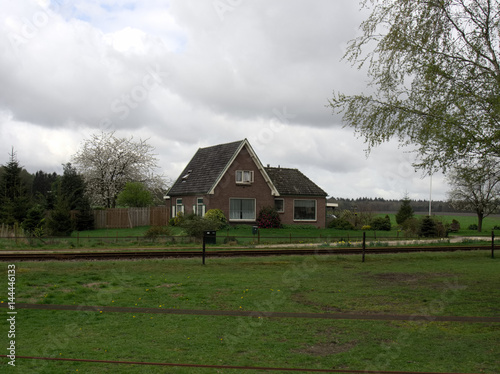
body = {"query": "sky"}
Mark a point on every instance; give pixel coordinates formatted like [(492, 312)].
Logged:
[(187, 74)]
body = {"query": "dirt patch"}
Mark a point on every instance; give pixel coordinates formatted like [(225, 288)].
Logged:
[(409, 279), (167, 285), (328, 348), (95, 285)]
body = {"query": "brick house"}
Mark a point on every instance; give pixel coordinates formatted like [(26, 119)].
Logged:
[(231, 177)]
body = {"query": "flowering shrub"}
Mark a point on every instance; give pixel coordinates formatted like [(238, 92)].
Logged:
[(217, 216), (268, 218)]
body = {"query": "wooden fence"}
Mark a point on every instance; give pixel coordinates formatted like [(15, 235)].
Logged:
[(117, 218)]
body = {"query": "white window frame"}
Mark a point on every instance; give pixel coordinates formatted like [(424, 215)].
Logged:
[(283, 205), (199, 208), (244, 176), (247, 219), (178, 207), (306, 219)]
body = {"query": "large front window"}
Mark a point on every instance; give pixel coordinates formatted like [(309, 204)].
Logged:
[(304, 210), (242, 209)]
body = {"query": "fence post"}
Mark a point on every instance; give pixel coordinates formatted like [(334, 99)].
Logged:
[(203, 252), (492, 244), (364, 245)]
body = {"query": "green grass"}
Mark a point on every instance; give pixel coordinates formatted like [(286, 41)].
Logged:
[(458, 284)]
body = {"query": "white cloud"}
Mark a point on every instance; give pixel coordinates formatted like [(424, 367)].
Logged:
[(186, 76)]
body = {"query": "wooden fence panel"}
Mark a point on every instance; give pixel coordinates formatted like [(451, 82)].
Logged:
[(99, 219), (139, 217), (116, 218), (159, 216)]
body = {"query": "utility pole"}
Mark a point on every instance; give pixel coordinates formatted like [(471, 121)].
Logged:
[(430, 197)]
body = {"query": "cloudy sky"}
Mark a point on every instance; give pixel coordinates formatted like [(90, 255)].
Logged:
[(187, 74)]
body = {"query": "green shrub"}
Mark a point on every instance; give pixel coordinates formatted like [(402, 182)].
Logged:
[(381, 224), (340, 224), (473, 227), (268, 218), (155, 231), (455, 226), (195, 226), (217, 216), (411, 226), (177, 220)]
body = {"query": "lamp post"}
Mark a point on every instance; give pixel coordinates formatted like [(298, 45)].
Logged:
[(430, 197)]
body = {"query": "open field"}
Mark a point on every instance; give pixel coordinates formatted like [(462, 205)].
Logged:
[(430, 284)]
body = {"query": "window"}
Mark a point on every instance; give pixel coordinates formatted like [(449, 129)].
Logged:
[(199, 208), (304, 210), (279, 205), (244, 176), (178, 208), (242, 209)]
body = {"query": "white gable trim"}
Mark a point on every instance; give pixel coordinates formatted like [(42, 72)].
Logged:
[(260, 167)]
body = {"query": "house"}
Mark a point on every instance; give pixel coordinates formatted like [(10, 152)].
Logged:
[(231, 177)]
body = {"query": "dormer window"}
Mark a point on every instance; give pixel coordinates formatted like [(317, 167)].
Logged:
[(186, 176), (244, 176)]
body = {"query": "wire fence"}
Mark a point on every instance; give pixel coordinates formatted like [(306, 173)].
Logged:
[(220, 239)]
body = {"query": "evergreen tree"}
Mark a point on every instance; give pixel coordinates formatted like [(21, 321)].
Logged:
[(59, 222), (73, 191), (33, 224), (405, 211), (42, 187), (14, 197), (428, 228)]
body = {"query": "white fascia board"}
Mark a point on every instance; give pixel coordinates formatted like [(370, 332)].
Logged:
[(257, 162)]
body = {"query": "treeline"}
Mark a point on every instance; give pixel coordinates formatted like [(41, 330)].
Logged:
[(41, 203), (367, 204)]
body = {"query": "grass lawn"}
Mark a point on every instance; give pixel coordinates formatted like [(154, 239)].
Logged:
[(433, 284)]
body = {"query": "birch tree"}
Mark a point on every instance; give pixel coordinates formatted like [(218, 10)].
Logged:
[(477, 188), (434, 79), (108, 162)]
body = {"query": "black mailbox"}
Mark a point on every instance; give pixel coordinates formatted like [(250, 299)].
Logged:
[(210, 237), (255, 230)]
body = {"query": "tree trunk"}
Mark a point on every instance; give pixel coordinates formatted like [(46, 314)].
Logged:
[(480, 222)]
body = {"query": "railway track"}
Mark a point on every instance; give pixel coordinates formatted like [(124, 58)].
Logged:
[(129, 254)]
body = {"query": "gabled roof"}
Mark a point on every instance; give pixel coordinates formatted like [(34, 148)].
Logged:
[(293, 182), (208, 166), (204, 169)]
